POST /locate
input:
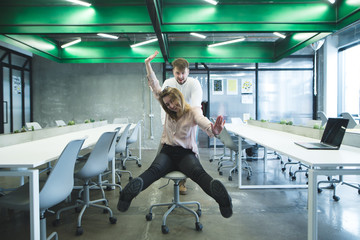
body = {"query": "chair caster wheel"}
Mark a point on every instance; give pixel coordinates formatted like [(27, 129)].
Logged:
[(230, 178), (283, 169), (319, 190), (164, 229), (123, 167), (198, 226), (139, 165), (248, 178), (108, 188), (130, 178), (293, 178), (148, 217), (291, 174), (56, 222), (198, 212), (112, 220), (336, 198), (211, 160), (220, 173), (79, 231)]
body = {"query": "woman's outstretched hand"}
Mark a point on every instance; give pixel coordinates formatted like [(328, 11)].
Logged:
[(218, 126), (150, 58)]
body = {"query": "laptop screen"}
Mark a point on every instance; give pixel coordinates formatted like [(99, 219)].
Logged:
[(334, 131)]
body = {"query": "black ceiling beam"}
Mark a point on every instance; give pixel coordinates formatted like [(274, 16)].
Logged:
[(154, 13)]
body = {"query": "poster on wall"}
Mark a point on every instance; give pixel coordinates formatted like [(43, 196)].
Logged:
[(218, 88), (17, 84), (232, 87), (246, 86)]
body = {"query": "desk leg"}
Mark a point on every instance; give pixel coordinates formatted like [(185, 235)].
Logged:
[(239, 162), (265, 159), (312, 205)]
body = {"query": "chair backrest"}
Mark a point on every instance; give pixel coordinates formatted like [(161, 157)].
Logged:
[(98, 158), (322, 117), (31, 125), (121, 120), (134, 134), (61, 179), (121, 144), (352, 121), (113, 144), (60, 123), (237, 120), (227, 140)]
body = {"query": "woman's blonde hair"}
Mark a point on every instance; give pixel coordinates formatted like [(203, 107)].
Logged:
[(177, 97)]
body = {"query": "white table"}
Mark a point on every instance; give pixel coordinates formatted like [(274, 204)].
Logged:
[(321, 162), (22, 160)]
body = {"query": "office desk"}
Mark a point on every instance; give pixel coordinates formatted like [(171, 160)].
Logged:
[(321, 162), (22, 160)]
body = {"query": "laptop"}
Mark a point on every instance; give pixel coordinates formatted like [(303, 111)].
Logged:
[(332, 137)]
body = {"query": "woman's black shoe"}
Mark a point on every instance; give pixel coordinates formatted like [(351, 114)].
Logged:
[(222, 197), (131, 190)]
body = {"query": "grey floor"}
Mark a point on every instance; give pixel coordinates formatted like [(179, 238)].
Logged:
[(258, 214)]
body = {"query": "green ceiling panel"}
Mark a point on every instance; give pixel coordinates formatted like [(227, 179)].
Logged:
[(250, 13), (77, 18), (36, 25), (34, 44), (246, 27), (113, 52), (239, 52)]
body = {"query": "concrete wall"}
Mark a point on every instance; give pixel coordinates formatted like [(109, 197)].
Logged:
[(95, 91)]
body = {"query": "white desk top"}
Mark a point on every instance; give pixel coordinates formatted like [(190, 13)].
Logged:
[(35, 153), (283, 142)]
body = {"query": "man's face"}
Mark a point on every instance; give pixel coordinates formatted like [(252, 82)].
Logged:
[(181, 76)]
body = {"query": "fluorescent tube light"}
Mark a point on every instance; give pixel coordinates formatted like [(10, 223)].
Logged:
[(226, 42), (332, 1), (212, 2), (71, 43), (143, 43), (279, 35), (198, 35), (107, 35), (82, 3)]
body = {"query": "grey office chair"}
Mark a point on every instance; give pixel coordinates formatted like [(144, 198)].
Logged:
[(132, 139), (32, 126), (352, 121), (96, 164), (60, 123), (176, 176), (232, 145), (121, 148), (57, 187), (322, 117), (117, 147)]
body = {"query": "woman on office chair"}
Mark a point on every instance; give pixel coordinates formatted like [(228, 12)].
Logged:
[(179, 151)]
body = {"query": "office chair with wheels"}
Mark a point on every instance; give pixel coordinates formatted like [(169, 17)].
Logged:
[(96, 164), (352, 121), (32, 126), (57, 187), (117, 147), (176, 176), (132, 139), (232, 145), (322, 117), (60, 123)]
